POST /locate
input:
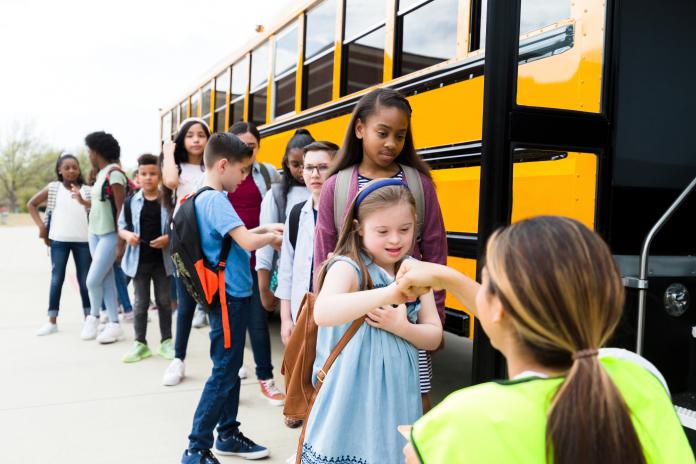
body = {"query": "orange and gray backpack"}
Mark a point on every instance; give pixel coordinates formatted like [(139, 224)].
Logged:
[(204, 281)]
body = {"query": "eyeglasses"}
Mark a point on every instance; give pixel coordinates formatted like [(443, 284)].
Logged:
[(321, 168)]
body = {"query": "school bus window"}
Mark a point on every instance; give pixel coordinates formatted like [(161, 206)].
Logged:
[(166, 126), (259, 84), (534, 14), (240, 78), (173, 125), (183, 112), (206, 95), (195, 104), (428, 33), (365, 61), (320, 26), (362, 16), (318, 56), (285, 71), (222, 86)]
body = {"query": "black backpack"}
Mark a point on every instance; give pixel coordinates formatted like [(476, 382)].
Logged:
[(294, 223), (204, 281)]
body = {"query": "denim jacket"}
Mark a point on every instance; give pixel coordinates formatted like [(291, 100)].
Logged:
[(131, 258)]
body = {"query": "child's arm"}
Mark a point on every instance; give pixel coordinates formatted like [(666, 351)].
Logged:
[(340, 301), (131, 238), (286, 324), (425, 335), (170, 171), (32, 205), (255, 238)]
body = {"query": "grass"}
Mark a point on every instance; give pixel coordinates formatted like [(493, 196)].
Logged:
[(18, 220)]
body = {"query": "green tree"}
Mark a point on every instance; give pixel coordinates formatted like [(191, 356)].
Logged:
[(18, 154)]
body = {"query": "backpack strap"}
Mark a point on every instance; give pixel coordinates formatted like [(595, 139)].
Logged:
[(128, 213), (224, 251), (266, 175), (281, 200), (321, 375), (294, 222), (415, 185), (51, 201), (343, 178), (106, 185)]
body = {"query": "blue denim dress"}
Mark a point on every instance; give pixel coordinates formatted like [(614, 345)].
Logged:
[(371, 388)]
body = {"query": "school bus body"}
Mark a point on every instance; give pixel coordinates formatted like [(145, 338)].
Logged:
[(560, 67)]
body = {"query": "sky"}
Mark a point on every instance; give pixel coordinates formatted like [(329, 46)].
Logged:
[(77, 66)]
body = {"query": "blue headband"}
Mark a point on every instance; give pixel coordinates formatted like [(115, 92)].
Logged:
[(374, 186)]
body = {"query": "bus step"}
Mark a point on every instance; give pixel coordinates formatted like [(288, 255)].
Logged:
[(685, 405)]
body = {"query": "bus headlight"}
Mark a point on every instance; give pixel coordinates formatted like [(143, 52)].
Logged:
[(676, 300)]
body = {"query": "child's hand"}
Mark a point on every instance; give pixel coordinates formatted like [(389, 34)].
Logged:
[(43, 234), (268, 300), (286, 328), (277, 241), (168, 148), (133, 239), (75, 193), (160, 242), (388, 318), (415, 278), (275, 228)]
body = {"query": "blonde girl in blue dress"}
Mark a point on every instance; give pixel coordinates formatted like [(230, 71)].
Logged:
[(373, 386)]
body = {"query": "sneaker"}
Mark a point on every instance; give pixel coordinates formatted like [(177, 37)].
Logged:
[(239, 445), (174, 373), (111, 333), (47, 329), (166, 349), (128, 317), (139, 352), (199, 457), (89, 329), (103, 317), (200, 319), (243, 373), (271, 392)]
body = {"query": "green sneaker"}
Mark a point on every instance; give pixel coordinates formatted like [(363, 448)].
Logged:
[(139, 352), (166, 349)]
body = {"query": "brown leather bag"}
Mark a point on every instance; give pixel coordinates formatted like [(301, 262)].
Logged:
[(298, 360)]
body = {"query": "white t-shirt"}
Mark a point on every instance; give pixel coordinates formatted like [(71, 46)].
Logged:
[(190, 180), (69, 218)]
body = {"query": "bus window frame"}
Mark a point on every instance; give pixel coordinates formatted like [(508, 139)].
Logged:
[(266, 83), (226, 74), (293, 69), (211, 103), (318, 55), (244, 97)]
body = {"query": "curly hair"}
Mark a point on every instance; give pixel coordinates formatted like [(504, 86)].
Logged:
[(105, 145)]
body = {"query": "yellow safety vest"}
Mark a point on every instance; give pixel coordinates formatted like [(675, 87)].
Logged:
[(506, 422)]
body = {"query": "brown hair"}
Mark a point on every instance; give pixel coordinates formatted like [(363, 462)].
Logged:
[(349, 243), (558, 281), (322, 145)]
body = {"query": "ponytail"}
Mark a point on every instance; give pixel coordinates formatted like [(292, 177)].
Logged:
[(589, 420)]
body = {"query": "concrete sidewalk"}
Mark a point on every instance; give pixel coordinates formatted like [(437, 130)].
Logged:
[(64, 400)]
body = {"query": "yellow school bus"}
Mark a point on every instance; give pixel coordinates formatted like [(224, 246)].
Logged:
[(311, 68)]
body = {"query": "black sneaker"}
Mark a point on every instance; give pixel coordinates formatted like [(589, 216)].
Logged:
[(199, 457), (239, 445)]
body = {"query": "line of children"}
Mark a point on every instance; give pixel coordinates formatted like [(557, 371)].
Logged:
[(64, 230), (228, 162), (147, 258)]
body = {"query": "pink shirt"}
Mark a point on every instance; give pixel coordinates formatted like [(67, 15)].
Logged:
[(432, 247)]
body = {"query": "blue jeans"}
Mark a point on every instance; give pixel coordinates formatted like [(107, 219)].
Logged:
[(60, 252), (258, 333), (101, 283), (122, 288), (186, 307), (219, 401)]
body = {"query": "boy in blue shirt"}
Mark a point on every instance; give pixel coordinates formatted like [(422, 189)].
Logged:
[(227, 163)]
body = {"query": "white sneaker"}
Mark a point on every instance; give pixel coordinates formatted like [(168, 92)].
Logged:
[(243, 373), (47, 329), (174, 373), (200, 319), (89, 329), (111, 333)]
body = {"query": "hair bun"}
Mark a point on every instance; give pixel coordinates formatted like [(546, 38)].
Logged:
[(302, 131)]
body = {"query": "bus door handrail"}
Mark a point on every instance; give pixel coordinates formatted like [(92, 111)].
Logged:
[(642, 283)]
